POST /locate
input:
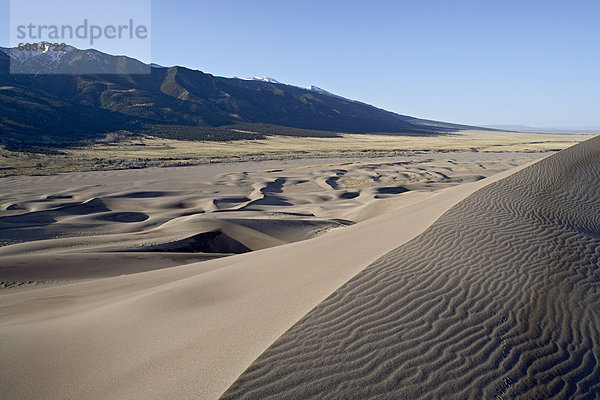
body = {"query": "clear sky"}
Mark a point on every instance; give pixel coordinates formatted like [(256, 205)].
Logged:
[(468, 61)]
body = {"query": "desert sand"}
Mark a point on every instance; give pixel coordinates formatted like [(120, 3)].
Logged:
[(109, 297), (499, 298), (106, 223)]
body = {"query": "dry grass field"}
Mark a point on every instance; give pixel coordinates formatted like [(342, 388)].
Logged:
[(156, 152)]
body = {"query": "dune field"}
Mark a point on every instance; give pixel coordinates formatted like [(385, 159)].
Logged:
[(459, 275), (97, 224)]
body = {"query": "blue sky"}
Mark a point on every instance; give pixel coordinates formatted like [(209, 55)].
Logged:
[(478, 62)]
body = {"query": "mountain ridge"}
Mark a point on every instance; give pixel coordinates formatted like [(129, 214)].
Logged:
[(177, 102)]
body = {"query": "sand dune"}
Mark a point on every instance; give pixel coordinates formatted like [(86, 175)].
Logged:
[(188, 331), (206, 212), (499, 298)]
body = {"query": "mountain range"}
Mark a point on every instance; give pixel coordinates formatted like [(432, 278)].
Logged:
[(43, 108)]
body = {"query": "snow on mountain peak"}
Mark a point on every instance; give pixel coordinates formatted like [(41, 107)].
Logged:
[(259, 78), (265, 79), (317, 89)]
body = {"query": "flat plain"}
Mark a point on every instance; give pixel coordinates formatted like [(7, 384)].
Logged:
[(148, 151)]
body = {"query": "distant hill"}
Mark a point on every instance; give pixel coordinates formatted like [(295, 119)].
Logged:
[(174, 102), (525, 128)]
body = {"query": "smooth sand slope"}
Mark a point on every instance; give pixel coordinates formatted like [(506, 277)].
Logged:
[(188, 332), (499, 298)]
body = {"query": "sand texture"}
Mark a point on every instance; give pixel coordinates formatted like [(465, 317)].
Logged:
[(499, 298), (188, 331)]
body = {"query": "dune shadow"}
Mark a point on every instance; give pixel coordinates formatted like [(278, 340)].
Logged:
[(206, 242), (392, 190)]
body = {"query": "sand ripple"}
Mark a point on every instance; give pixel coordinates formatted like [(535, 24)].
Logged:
[(500, 298)]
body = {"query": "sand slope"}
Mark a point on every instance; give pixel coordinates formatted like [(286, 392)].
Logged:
[(499, 298), (187, 332)]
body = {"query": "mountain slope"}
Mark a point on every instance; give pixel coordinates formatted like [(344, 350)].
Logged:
[(63, 109)]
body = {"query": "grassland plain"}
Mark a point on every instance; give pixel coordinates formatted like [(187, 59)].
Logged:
[(150, 151)]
